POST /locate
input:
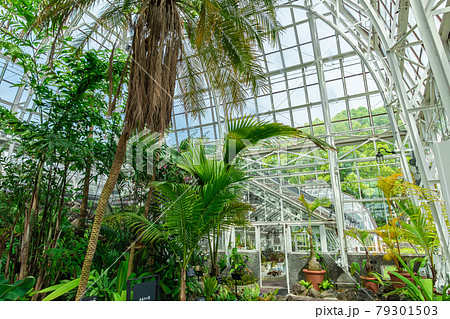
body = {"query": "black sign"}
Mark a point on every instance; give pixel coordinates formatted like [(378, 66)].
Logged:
[(93, 298), (145, 291), (190, 272)]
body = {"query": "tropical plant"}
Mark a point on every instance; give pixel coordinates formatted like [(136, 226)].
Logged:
[(238, 262), (221, 47), (418, 289), (364, 238), (325, 285), (247, 278), (313, 264), (372, 276), (306, 284), (67, 137), (420, 231), (222, 264), (249, 294), (224, 294), (210, 287), (388, 187), (392, 234), (101, 285), (210, 204), (241, 134), (16, 290)]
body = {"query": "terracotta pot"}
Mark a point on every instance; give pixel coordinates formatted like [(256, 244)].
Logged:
[(397, 283), (370, 284), (315, 277)]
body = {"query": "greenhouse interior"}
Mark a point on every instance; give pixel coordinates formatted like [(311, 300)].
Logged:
[(203, 150)]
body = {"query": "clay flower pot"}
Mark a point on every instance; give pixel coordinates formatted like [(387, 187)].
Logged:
[(374, 286), (315, 277), (397, 283)]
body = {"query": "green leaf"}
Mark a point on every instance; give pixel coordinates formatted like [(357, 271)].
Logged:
[(16, 290), (62, 289)]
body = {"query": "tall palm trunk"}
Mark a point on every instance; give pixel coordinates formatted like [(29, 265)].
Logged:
[(101, 207), (183, 284), (156, 51)]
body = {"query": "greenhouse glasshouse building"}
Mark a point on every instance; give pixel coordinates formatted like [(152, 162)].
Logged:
[(224, 150)]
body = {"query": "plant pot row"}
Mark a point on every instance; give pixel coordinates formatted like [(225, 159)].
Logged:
[(316, 278)]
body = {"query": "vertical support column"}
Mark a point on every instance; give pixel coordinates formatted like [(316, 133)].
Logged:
[(258, 248), (408, 118), (332, 156), (286, 262), (323, 238), (232, 242), (435, 50), (436, 210), (226, 237)]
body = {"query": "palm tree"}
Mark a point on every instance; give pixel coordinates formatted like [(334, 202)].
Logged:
[(365, 239), (190, 40), (212, 203), (188, 214), (313, 264), (242, 133), (420, 231)]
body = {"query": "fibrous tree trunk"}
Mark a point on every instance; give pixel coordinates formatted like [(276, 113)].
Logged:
[(101, 207), (156, 51)]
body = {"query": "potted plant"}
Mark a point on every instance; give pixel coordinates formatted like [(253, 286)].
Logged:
[(314, 271), (364, 238), (392, 233), (420, 232), (239, 272)]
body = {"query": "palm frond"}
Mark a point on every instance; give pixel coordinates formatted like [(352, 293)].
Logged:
[(248, 131)]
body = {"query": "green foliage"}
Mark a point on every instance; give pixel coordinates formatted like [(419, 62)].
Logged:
[(313, 264), (247, 278), (16, 290), (105, 287), (306, 284), (355, 267), (248, 131), (247, 294), (210, 287), (238, 262), (420, 230), (71, 133), (222, 264), (224, 295), (325, 285), (60, 289), (364, 238), (418, 289), (194, 289)]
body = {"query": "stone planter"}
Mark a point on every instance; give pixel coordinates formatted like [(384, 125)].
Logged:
[(369, 284), (315, 277)]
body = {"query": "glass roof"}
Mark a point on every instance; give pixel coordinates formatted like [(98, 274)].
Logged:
[(330, 53)]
